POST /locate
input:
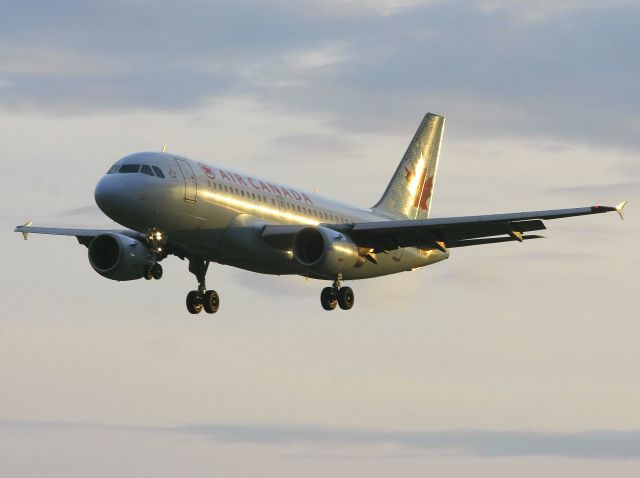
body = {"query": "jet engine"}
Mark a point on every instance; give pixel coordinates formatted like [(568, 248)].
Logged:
[(325, 250), (119, 257)]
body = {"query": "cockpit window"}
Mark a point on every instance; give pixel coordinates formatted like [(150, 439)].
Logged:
[(146, 169), (129, 168), (113, 169), (158, 171)]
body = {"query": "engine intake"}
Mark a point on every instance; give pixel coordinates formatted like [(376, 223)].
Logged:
[(325, 250), (119, 257)]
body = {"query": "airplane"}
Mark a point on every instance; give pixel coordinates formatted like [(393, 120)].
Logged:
[(172, 205)]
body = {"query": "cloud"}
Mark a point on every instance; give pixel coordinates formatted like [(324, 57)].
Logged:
[(599, 444), (569, 74)]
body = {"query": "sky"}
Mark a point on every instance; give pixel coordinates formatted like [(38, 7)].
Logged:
[(505, 360)]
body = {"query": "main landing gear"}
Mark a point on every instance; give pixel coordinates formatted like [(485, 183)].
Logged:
[(201, 298), (337, 295)]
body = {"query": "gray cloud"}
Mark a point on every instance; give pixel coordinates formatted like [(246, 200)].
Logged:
[(599, 444), (513, 69)]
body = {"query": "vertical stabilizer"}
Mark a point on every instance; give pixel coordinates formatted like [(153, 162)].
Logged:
[(409, 193)]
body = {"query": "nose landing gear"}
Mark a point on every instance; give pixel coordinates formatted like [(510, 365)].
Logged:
[(156, 241), (153, 272), (337, 295), (201, 298)]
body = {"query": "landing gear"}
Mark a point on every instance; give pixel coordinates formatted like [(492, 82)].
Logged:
[(153, 272), (156, 271), (201, 298), (336, 295), (194, 302), (346, 298), (328, 298), (211, 302)]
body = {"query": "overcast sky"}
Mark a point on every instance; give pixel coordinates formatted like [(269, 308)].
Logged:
[(521, 358)]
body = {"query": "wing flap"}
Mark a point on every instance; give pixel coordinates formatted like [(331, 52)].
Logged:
[(491, 240)]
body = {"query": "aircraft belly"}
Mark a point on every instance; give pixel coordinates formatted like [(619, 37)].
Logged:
[(391, 263), (242, 246), (277, 262)]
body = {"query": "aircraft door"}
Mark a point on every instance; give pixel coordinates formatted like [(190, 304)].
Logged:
[(190, 184)]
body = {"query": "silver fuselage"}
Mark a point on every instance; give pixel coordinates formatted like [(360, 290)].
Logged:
[(218, 214)]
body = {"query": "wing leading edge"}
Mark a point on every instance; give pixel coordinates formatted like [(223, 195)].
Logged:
[(84, 236), (444, 232)]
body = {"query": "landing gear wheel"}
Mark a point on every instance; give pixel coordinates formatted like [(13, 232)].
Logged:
[(345, 298), (156, 272), (211, 302), (148, 274), (328, 298), (194, 302)]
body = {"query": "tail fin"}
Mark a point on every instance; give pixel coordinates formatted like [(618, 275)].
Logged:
[(409, 193)]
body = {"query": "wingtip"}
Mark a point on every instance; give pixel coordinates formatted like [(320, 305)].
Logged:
[(620, 209), (25, 235)]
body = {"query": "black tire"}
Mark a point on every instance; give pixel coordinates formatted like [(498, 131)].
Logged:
[(194, 302), (328, 298), (156, 272), (211, 302), (345, 298), (148, 275)]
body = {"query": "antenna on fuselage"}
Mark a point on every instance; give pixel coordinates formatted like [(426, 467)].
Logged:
[(164, 148)]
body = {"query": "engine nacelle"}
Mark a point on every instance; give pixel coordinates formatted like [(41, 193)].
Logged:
[(119, 257), (325, 250)]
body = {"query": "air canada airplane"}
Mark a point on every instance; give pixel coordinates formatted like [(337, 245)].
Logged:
[(171, 205)]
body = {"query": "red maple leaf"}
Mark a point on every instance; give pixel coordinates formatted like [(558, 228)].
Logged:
[(208, 171), (427, 189)]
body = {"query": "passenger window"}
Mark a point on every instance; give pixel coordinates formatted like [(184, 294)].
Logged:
[(158, 171), (129, 168), (146, 169)]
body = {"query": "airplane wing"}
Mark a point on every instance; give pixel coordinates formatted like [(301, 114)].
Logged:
[(444, 232), (84, 236)]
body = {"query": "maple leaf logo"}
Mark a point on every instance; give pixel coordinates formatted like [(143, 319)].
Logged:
[(208, 171), (421, 196)]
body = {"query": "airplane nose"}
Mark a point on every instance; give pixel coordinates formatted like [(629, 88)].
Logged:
[(107, 195)]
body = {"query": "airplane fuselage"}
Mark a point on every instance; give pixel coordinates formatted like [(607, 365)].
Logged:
[(218, 214)]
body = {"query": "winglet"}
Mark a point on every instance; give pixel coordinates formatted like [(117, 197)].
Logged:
[(620, 209), (26, 234)]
